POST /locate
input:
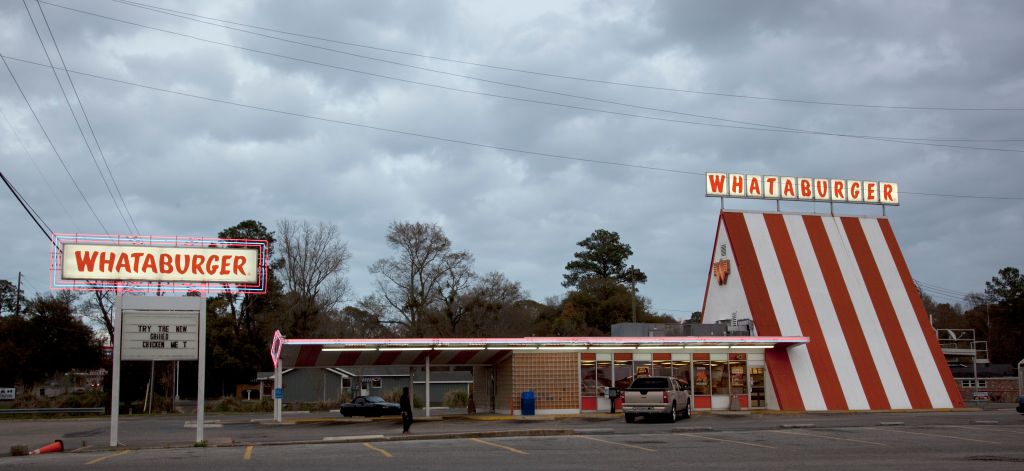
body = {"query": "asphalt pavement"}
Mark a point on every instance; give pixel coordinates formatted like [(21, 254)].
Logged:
[(967, 439)]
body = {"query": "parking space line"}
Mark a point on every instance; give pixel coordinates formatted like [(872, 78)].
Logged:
[(383, 452), (107, 457), (994, 429), (827, 437), (615, 443), (248, 453), (513, 450), (935, 435), (727, 441)]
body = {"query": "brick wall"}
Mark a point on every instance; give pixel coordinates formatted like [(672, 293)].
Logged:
[(998, 389), (553, 377)]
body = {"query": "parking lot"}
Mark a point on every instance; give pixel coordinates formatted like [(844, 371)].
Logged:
[(924, 440)]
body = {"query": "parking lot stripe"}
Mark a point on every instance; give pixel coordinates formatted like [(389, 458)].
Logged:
[(248, 453), (993, 429), (725, 440), (383, 452), (615, 443), (828, 437), (513, 450), (107, 457), (935, 435)]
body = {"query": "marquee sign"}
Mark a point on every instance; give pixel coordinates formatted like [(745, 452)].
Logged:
[(177, 264), (733, 185)]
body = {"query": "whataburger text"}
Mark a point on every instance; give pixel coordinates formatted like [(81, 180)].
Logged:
[(164, 264), (801, 188)]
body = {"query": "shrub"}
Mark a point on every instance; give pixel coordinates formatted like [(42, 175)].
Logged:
[(393, 395), (456, 398)]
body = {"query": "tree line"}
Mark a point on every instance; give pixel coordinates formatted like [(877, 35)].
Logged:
[(425, 287)]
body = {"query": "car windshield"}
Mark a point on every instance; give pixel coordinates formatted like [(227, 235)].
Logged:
[(375, 399), (650, 383)]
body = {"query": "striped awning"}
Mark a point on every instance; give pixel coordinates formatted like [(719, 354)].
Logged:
[(489, 351)]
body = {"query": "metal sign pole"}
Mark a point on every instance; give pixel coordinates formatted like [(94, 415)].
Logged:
[(115, 386), (201, 387)]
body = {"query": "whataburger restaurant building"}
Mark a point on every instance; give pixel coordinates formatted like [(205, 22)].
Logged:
[(837, 324)]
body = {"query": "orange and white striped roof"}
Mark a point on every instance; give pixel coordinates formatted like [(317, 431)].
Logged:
[(841, 282)]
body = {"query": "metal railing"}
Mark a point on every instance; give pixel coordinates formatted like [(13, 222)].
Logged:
[(54, 410)]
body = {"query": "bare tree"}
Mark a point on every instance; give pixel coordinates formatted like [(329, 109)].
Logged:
[(99, 308), (414, 281), (457, 278), (497, 306), (313, 261)]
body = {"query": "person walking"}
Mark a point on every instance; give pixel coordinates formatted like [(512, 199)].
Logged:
[(406, 405)]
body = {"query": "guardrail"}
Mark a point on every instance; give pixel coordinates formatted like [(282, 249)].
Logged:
[(54, 410)]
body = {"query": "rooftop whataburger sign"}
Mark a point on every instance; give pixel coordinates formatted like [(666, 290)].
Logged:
[(735, 185)]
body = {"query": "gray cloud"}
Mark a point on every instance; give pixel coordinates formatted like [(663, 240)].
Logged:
[(192, 167)]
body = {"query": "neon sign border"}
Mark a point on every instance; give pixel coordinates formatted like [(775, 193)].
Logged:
[(56, 259)]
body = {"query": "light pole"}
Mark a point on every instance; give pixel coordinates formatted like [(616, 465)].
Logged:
[(632, 284)]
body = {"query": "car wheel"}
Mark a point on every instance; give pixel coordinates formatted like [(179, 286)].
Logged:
[(686, 412), (630, 418), (672, 413)]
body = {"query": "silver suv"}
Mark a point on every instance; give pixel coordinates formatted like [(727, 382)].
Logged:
[(657, 395)]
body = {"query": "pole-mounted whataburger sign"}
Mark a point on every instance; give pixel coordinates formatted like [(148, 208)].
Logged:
[(158, 328), (158, 263), (734, 185)]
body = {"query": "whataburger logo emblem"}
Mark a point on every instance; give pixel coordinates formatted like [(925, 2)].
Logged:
[(164, 264), (736, 185), (720, 270)]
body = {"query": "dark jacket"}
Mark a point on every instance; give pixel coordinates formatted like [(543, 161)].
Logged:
[(405, 405)]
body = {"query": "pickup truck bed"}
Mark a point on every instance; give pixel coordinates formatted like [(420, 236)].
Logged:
[(656, 396)]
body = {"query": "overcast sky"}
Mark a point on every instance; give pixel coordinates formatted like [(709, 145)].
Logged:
[(186, 166)]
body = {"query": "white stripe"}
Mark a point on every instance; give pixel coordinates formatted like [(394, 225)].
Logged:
[(911, 325), (785, 314), (835, 340), (877, 344)]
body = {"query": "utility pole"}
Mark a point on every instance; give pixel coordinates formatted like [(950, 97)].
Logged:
[(17, 297), (632, 284)]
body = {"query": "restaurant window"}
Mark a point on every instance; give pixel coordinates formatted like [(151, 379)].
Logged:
[(662, 367), (603, 376), (588, 378), (681, 371), (719, 378), (737, 377), (623, 370), (701, 378)]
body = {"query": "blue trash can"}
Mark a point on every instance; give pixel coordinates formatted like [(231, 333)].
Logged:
[(529, 403)]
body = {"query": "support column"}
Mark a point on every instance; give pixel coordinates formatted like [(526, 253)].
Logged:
[(426, 388), (201, 387), (115, 385), (278, 383)]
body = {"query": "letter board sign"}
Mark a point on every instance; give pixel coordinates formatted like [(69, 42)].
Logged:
[(149, 335)]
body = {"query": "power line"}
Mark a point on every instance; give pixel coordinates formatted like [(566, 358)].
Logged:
[(88, 122), (24, 204), (52, 146), (567, 77), (931, 142), (72, 111), (42, 175), (383, 129)]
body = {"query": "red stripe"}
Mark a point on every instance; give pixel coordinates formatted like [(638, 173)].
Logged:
[(347, 358), (886, 315), (806, 315), (852, 332), (462, 357), (707, 286), (762, 311), (922, 316), (386, 358), (421, 359), (307, 355), (497, 357)]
